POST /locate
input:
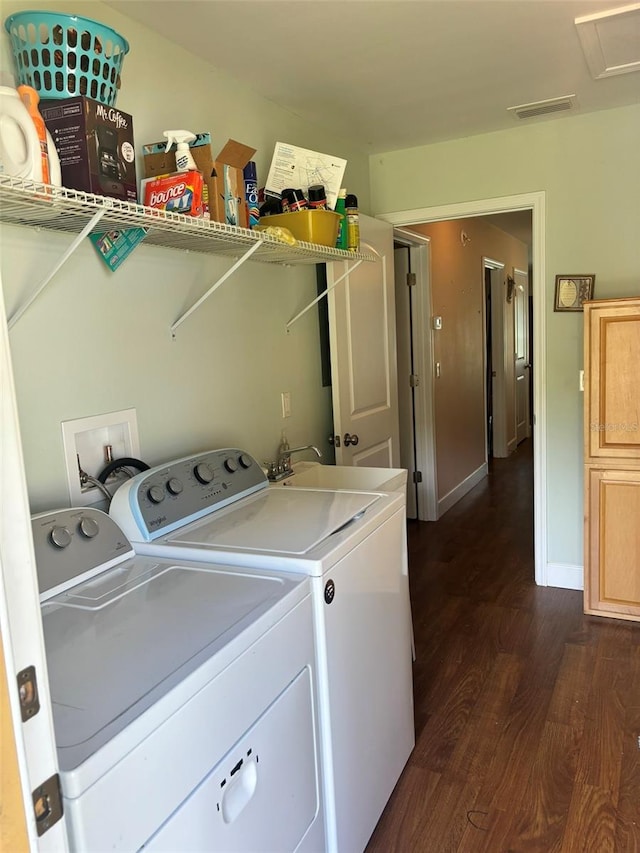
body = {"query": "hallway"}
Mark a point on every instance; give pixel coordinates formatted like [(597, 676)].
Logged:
[(527, 712)]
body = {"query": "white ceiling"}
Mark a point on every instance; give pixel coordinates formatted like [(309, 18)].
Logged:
[(402, 73)]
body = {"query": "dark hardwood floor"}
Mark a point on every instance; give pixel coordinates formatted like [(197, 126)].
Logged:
[(527, 712)]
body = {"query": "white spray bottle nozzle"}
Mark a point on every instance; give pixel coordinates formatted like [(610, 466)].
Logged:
[(182, 138)]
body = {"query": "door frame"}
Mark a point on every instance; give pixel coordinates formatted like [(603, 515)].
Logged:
[(535, 202), (423, 393), (21, 632)]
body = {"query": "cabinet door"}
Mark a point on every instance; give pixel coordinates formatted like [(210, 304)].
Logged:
[(612, 400), (612, 543)]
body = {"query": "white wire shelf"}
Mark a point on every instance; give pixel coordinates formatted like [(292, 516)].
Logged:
[(60, 209)]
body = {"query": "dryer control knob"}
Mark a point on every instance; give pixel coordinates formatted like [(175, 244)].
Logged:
[(88, 527), (174, 486), (230, 466), (156, 494), (245, 460), (60, 537), (203, 473)]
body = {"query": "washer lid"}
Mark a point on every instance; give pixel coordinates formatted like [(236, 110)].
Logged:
[(286, 521), (119, 642)]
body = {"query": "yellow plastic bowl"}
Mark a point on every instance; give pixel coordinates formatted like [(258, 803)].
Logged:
[(311, 226)]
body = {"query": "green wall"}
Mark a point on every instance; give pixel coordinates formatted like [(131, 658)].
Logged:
[(97, 341), (589, 168)]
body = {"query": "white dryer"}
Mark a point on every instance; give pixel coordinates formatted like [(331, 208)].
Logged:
[(184, 697), (217, 507)]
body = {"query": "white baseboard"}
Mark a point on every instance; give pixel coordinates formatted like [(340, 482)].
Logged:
[(565, 576), (461, 489)]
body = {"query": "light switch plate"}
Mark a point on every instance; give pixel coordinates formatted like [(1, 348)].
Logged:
[(437, 323), (286, 404)]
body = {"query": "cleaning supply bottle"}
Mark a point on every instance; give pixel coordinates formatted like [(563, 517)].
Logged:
[(341, 242), (30, 99), (251, 193), (353, 224), (184, 157), (19, 145)]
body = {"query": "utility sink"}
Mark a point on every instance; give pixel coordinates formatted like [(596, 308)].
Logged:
[(313, 475)]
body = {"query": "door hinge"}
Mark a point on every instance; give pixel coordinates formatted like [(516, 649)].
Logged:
[(417, 476), (28, 693), (411, 279), (414, 380), (47, 804)]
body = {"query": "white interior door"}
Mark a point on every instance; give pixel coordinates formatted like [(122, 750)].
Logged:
[(362, 337), (21, 625), (522, 371)]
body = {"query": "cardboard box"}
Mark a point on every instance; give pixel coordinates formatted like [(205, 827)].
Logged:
[(230, 204), (95, 146), (223, 176)]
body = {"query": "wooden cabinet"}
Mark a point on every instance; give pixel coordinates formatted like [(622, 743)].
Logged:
[(612, 458)]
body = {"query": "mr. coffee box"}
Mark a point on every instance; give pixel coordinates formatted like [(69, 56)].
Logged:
[(95, 146)]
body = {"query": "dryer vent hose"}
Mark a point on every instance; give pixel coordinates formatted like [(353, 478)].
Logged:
[(125, 462)]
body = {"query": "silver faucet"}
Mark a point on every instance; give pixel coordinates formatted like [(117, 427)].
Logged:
[(282, 468), (286, 454)]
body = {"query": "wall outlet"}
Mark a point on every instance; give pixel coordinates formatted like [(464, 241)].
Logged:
[(85, 442)]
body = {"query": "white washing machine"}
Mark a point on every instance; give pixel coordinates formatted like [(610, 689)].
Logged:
[(217, 507), (184, 696)]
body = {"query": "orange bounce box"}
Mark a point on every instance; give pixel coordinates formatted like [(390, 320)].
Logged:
[(177, 193)]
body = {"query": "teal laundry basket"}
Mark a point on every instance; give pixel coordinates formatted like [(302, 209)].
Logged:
[(65, 55)]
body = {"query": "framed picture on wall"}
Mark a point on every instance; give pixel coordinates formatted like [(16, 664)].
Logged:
[(572, 291)]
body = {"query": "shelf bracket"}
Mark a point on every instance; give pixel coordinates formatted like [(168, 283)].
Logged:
[(329, 289), (215, 286), (88, 228)]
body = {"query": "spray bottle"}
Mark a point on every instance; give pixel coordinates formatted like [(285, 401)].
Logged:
[(184, 157)]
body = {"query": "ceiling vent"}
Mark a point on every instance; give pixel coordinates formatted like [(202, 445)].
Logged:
[(543, 108), (611, 41)]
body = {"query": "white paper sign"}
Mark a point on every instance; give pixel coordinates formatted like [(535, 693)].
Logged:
[(300, 168)]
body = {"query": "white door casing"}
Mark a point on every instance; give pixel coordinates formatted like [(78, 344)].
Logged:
[(522, 370), (362, 336), (417, 429), (20, 621), (534, 201)]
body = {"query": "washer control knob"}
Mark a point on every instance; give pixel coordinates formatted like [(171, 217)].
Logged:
[(60, 537), (88, 527), (174, 486), (156, 494), (203, 473), (230, 466), (245, 461)]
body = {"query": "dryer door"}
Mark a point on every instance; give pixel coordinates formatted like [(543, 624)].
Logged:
[(263, 795)]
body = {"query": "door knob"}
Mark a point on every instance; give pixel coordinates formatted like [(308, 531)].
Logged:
[(334, 440), (350, 439)]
